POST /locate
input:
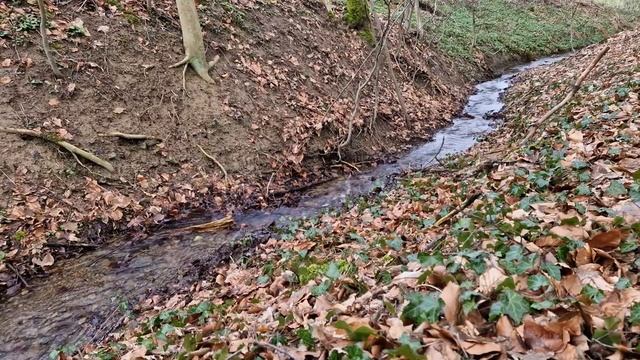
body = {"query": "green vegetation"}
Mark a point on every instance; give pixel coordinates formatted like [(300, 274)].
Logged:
[(357, 13), (507, 28)]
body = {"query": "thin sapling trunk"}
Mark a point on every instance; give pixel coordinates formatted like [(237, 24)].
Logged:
[(192, 40), (45, 40)]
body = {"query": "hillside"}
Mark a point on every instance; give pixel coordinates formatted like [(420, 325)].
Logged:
[(509, 250), (274, 119)]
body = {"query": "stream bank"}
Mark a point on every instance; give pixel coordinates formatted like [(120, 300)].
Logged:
[(510, 249), (273, 118), (83, 300)]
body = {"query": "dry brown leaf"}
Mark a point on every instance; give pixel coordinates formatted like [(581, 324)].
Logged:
[(542, 339), (47, 260), (480, 348), (607, 240), (451, 297), (490, 279)]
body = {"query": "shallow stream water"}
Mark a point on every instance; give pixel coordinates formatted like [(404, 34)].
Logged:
[(79, 302)]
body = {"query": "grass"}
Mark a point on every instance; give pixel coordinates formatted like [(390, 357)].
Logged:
[(525, 29), (504, 28)]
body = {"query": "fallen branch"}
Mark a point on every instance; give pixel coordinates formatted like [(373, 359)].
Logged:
[(225, 222), (226, 176), (574, 89), (71, 148), (130, 136), (453, 213)]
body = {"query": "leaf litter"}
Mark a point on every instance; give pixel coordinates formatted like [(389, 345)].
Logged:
[(542, 265)]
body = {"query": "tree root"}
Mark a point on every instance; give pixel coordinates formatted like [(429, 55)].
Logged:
[(226, 176), (71, 148), (130, 136), (198, 65)]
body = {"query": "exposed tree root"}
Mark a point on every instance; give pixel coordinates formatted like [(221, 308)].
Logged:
[(130, 136), (71, 148), (226, 176)]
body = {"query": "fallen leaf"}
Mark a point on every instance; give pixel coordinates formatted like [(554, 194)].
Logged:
[(607, 240), (47, 260), (480, 348), (542, 339), (451, 297)]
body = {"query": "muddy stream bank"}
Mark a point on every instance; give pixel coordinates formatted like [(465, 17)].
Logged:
[(79, 302)]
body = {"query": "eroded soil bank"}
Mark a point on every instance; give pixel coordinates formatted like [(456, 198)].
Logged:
[(273, 119)]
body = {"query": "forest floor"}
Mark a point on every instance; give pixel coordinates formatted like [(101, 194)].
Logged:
[(523, 250), (273, 119)]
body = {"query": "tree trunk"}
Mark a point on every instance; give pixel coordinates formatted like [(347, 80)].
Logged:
[(45, 40), (192, 40)]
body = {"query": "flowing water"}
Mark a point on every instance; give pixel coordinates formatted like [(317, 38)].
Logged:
[(79, 302)]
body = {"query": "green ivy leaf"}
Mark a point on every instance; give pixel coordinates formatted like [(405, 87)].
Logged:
[(623, 283), (546, 304), (595, 295), (512, 304), (583, 190), (423, 307), (628, 246), (616, 189), (537, 282), (333, 271), (634, 316)]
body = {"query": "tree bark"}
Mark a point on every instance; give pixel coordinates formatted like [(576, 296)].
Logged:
[(45, 40), (192, 40)]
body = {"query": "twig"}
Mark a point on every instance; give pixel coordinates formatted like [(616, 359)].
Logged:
[(71, 148), (26, 284), (232, 355), (574, 89), (453, 213), (45, 41), (71, 245), (130, 136), (7, 176), (274, 348), (226, 176)]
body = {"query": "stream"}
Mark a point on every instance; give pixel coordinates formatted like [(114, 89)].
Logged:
[(79, 301)]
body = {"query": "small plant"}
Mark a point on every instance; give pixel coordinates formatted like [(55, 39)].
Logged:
[(19, 235), (27, 22)]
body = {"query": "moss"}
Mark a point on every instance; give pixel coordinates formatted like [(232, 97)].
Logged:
[(357, 14), (367, 35), (131, 18)]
